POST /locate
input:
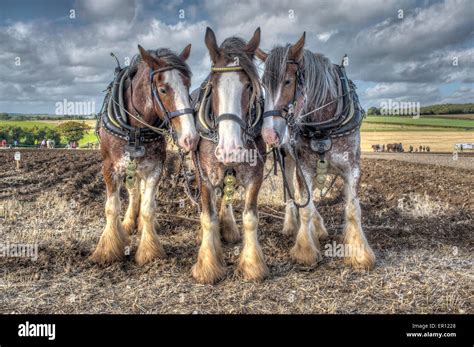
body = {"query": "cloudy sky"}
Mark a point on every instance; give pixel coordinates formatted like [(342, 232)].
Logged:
[(419, 51)]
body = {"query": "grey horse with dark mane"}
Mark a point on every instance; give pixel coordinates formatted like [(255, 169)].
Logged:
[(313, 115)]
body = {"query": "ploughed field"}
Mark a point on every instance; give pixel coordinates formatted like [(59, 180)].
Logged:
[(418, 217)]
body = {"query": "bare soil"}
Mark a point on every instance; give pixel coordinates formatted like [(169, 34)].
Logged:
[(417, 217)]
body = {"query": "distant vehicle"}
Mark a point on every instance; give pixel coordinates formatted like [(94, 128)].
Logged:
[(463, 146)]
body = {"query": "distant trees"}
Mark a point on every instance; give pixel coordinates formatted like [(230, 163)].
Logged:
[(373, 111), (28, 136), (72, 131), (448, 109), (4, 116)]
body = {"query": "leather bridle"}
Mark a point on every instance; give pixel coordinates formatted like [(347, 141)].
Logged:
[(156, 98), (114, 114), (288, 112), (204, 109), (333, 127)]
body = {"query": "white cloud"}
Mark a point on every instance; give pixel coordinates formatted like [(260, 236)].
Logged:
[(409, 58)]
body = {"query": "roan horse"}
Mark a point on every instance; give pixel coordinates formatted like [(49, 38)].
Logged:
[(312, 111), (229, 107), (145, 102)]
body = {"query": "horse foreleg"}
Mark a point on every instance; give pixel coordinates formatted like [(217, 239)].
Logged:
[(209, 267), (320, 232), (251, 262), (306, 250), (149, 247), (133, 210), (112, 243), (290, 224), (360, 254), (229, 229)]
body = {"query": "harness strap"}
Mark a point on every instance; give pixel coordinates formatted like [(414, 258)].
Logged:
[(168, 115), (181, 112), (273, 113), (231, 117)]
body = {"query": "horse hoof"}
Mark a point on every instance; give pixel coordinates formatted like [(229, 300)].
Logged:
[(210, 273), (366, 261), (105, 258), (255, 271), (150, 253), (307, 256)]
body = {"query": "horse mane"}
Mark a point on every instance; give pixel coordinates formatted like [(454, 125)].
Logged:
[(233, 47), (170, 58), (319, 75)]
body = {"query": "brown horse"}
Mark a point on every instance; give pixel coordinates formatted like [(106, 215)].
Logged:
[(230, 105), (314, 114), (146, 100)]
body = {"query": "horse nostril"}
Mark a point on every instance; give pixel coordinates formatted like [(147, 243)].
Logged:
[(187, 141), (217, 152)]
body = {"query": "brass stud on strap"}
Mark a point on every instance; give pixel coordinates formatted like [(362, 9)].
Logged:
[(226, 69)]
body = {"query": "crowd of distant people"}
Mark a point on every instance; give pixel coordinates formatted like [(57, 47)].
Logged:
[(43, 144), (398, 147), (419, 149), (4, 144)]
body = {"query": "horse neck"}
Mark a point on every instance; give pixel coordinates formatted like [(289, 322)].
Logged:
[(142, 99), (325, 113)]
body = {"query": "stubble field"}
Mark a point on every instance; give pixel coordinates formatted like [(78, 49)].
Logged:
[(418, 219)]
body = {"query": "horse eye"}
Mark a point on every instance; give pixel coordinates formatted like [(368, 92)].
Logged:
[(162, 90), (287, 82)]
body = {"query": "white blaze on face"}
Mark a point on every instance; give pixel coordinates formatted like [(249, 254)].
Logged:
[(181, 100), (268, 121), (229, 91), (273, 126)]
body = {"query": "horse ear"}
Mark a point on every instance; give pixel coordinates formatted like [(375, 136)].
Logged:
[(147, 58), (296, 51), (185, 53), (254, 42), (211, 44), (261, 55)]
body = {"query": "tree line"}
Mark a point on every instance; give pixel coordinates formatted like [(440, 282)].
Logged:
[(69, 131), (24, 117)]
